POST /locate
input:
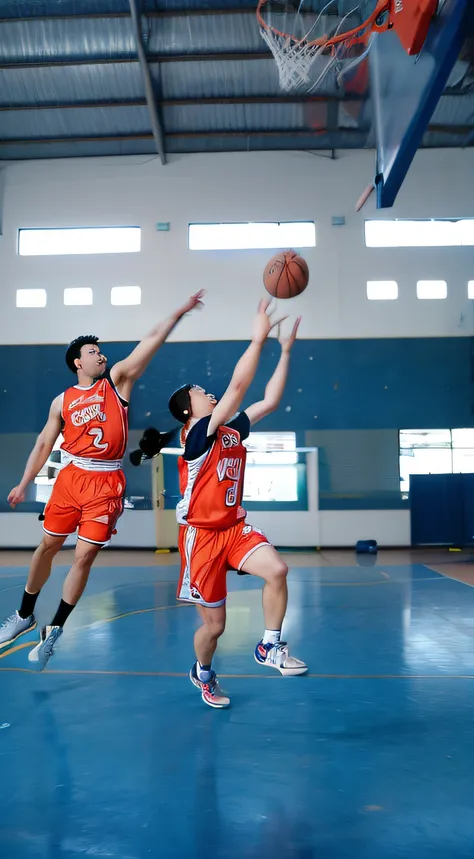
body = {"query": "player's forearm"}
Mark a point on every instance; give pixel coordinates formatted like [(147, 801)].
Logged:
[(246, 368), (137, 362), (36, 460), (157, 336), (276, 385)]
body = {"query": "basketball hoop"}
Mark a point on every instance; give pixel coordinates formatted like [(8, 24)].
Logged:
[(306, 54)]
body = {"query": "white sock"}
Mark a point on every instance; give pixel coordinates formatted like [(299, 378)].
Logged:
[(271, 636)]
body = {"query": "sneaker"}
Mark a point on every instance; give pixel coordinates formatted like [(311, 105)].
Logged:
[(14, 626), (211, 692), (277, 656), (42, 652)]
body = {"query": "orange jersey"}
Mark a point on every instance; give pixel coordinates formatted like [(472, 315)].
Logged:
[(95, 424), (211, 475)]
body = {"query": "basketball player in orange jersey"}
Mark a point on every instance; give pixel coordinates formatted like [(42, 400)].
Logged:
[(214, 535), (88, 493)]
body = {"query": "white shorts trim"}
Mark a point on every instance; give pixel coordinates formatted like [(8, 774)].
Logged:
[(254, 549), (95, 542), (55, 534), (203, 603)]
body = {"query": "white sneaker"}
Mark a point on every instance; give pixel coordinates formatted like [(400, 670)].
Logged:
[(277, 656), (211, 692), (41, 654), (14, 626)]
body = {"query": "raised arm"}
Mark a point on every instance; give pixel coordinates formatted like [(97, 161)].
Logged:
[(245, 369), (40, 453), (126, 372), (276, 385)]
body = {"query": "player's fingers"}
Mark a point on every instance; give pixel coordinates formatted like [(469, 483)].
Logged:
[(295, 327)]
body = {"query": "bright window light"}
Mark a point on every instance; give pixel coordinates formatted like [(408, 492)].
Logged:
[(31, 298), (78, 295), (419, 234), (432, 289), (212, 237), (435, 452), (125, 295), (272, 472), (382, 290), (85, 240), (470, 289)]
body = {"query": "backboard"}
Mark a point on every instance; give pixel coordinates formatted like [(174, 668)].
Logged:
[(406, 90)]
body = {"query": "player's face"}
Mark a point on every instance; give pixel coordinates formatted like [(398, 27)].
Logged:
[(202, 403), (93, 363)]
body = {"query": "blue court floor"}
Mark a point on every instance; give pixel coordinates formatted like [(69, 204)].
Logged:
[(112, 753)]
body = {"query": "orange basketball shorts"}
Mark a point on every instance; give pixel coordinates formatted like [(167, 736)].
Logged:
[(87, 501), (206, 556)]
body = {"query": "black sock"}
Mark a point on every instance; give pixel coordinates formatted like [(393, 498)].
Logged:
[(62, 614), (27, 604)]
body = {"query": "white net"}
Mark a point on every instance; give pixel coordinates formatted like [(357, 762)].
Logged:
[(294, 60), (298, 44)]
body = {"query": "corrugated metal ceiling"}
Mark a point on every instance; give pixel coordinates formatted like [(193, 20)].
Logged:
[(71, 84)]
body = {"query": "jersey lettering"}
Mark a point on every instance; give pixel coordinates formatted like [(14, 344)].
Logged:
[(84, 416)]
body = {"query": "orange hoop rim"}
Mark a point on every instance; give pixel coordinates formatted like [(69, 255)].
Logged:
[(382, 7)]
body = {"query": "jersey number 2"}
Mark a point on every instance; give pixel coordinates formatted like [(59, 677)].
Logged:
[(98, 436)]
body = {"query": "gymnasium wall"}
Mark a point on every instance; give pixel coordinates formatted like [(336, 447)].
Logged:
[(233, 187), (361, 371)]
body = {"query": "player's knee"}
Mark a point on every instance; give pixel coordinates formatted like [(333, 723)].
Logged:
[(50, 545), (216, 626), (279, 570), (85, 558)]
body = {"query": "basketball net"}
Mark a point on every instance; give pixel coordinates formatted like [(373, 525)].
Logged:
[(306, 49)]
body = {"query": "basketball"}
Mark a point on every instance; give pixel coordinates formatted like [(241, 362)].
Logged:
[(286, 275)]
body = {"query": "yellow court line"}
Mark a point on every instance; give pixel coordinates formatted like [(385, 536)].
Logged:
[(130, 614), (98, 673), (18, 647)]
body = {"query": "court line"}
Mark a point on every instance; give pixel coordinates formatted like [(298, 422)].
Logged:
[(18, 647), (100, 673)]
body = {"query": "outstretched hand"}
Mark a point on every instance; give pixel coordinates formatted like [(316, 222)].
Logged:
[(194, 301), (286, 342), (263, 322), (16, 496)]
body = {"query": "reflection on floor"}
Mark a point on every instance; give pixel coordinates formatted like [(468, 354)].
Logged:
[(111, 752)]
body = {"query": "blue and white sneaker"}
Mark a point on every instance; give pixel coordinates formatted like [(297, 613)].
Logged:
[(277, 656), (211, 692), (41, 654), (14, 626)]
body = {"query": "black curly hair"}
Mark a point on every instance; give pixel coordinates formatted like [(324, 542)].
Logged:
[(74, 349)]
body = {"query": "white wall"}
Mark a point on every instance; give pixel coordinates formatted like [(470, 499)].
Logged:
[(328, 528), (252, 186)]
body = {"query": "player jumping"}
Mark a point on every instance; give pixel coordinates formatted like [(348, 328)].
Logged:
[(214, 536), (88, 493)]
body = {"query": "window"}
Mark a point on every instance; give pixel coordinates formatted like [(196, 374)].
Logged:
[(272, 472), (435, 452), (213, 237), (83, 240), (31, 298), (382, 290), (77, 295), (45, 479), (420, 233), (431, 289), (470, 289), (126, 295)]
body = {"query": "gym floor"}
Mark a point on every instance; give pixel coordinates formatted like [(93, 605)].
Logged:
[(111, 752)]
